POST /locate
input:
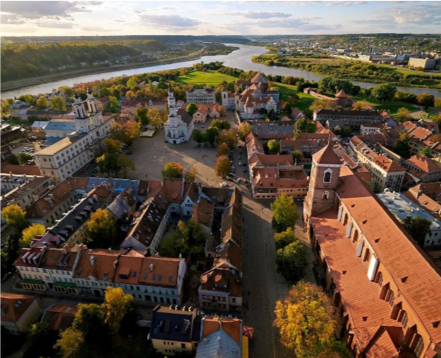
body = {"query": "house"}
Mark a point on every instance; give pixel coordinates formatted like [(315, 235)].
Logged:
[(201, 95), (103, 103), (18, 312), (426, 195), (11, 133), (297, 114), (345, 118), (367, 128), (422, 169), (384, 287), (60, 317), (174, 330)]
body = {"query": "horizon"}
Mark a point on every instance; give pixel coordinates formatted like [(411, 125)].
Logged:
[(217, 18)]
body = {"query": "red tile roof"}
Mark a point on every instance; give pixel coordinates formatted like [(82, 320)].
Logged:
[(326, 156), (12, 310)]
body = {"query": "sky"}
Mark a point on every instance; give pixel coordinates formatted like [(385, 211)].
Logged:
[(91, 18)]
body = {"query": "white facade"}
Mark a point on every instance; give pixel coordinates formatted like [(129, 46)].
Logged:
[(187, 206), (176, 130), (227, 102), (201, 95)]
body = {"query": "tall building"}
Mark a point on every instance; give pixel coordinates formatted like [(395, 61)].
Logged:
[(176, 129), (386, 289), (201, 95)]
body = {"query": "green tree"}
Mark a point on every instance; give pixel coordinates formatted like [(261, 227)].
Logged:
[(112, 146), (426, 152), (191, 108), (108, 163), (426, 100), (15, 217), (58, 103), (304, 126), (141, 115), (306, 320), (125, 164), (114, 104), (71, 343), (401, 146), (117, 305), (42, 103), (384, 92), (284, 212), (23, 158), (187, 239), (68, 91), (437, 103), (418, 228), (220, 124), (100, 230), (403, 115), (89, 319), (222, 167), (211, 135), (287, 108), (198, 136), (273, 146), (243, 130), (173, 170), (298, 155), (292, 261), (284, 238), (132, 82), (156, 117), (28, 98), (29, 234)]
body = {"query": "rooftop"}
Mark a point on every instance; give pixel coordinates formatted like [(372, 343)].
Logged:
[(13, 306), (169, 324)]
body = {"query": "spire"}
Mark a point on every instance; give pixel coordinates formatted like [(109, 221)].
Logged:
[(326, 155), (75, 93), (89, 91)]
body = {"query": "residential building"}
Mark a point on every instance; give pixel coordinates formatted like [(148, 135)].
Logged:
[(66, 156), (201, 95), (402, 207), (367, 128), (425, 63), (18, 312), (342, 99), (20, 169), (179, 126), (221, 285), (427, 196), (346, 118), (174, 330), (385, 288), (204, 111), (385, 172), (27, 193), (422, 169), (10, 133), (17, 106), (10, 182), (297, 114), (59, 317)]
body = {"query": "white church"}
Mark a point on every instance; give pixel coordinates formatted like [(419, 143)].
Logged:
[(179, 126)]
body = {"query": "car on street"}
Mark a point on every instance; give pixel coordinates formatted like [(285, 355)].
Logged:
[(232, 175), (240, 164)]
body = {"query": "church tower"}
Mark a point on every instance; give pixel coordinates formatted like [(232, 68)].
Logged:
[(224, 96), (323, 181), (81, 123), (172, 114), (95, 115)]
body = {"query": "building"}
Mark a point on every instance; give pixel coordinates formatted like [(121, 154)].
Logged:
[(402, 207), (228, 99), (221, 285), (221, 337), (66, 156), (10, 182), (385, 288), (204, 111), (346, 118), (385, 172), (17, 106), (422, 169), (57, 129), (58, 200), (342, 99), (179, 127), (174, 330), (11, 133), (59, 317), (201, 95), (427, 196), (18, 312), (367, 128), (425, 63)]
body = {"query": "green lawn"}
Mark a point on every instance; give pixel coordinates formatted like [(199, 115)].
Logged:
[(211, 78), (305, 99)]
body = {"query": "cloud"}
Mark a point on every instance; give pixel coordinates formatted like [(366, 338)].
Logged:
[(416, 14), (173, 21), (48, 9), (96, 29), (260, 14), (345, 3), (11, 19), (55, 25)]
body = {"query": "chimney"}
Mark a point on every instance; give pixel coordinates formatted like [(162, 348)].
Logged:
[(92, 260), (151, 267)]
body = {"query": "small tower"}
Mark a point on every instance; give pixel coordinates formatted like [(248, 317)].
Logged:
[(323, 181), (172, 115), (91, 102), (224, 96)]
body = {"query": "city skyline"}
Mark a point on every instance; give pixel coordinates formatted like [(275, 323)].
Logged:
[(82, 18)]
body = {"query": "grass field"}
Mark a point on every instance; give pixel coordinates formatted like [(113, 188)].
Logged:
[(211, 78), (305, 99)]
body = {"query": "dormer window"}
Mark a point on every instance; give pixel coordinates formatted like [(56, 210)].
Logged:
[(327, 176)]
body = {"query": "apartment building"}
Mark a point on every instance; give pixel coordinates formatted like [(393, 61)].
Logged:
[(422, 169), (18, 312), (346, 118), (385, 172), (26, 189)]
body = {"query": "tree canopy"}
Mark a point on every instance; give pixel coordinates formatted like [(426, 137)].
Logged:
[(273, 146), (71, 343), (100, 230), (58, 103), (384, 92), (191, 108), (418, 228), (29, 234), (116, 304), (222, 167), (243, 130), (292, 261), (284, 212), (15, 217), (403, 115), (173, 170), (284, 238)]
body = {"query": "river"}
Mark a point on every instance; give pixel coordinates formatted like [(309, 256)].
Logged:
[(240, 59)]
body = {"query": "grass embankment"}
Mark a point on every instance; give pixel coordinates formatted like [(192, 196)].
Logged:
[(210, 78)]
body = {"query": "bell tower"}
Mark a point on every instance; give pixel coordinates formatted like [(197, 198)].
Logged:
[(224, 96), (325, 171)]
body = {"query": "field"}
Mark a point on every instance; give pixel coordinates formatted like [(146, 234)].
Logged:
[(211, 78), (305, 99)]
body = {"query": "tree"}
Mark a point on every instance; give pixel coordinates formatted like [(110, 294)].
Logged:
[(243, 130), (403, 115), (222, 149), (426, 100), (112, 146), (426, 152), (173, 170), (191, 108), (273, 146), (23, 158), (292, 261), (435, 138), (287, 108), (156, 117), (198, 136), (42, 103), (437, 103), (58, 103), (129, 96), (29, 234), (222, 167), (222, 111), (284, 238), (68, 91), (132, 82), (229, 137), (117, 304), (141, 115), (298, 155), (125, 164), (131, 131), (437, 119), (361, 106), (114, 105), (401, 146), (190, 175), (284, 212), (322, 104), (108, 163), (418, 228), (304, 126), (306, 320), (220, 124), (28, 98), (100, 230), (210, 136), (15, 217), (384, 92), (89, 319), (71, 343)]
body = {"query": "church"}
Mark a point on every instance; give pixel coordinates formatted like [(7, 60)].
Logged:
[(179, 126), (385, 288)]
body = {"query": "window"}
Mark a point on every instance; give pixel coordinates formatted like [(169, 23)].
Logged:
[(391, 298), (325, 195), (345, 221), (367, 255), (327, 176), (419, 347), (183, 346), (379, 279), (403, 318), (355, 239)]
